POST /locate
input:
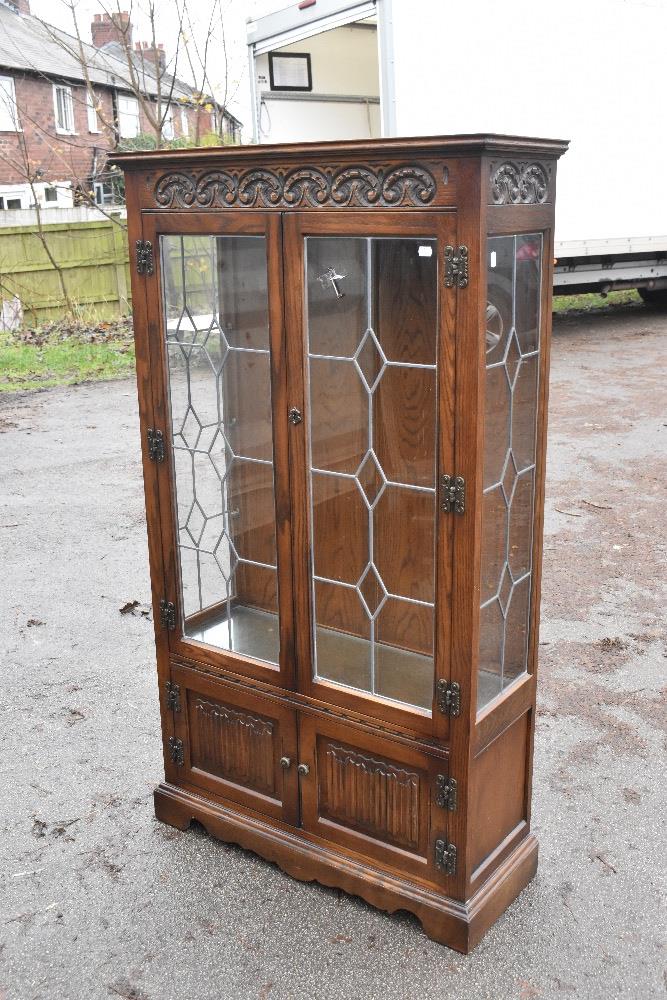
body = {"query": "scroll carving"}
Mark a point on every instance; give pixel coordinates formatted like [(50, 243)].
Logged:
[(519, 183), (234, 744), (301, 187), (373, 795)]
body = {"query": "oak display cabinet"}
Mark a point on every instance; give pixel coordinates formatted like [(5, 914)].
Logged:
[(342, 358)]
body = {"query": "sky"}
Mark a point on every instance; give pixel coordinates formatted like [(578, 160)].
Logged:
[(235, 13)]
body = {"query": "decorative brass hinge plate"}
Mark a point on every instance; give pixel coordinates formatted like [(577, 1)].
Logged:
[(445, 792), (176, 751), (448, 697), (167, 615), (453, 494), (456, 267), (173, 696), (445, 857), (155, 445), (144, 254)]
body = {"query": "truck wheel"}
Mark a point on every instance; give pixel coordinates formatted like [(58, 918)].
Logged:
[(654, 296)]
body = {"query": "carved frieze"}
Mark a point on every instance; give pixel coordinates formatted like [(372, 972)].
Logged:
[(519, 183), (301, 187)]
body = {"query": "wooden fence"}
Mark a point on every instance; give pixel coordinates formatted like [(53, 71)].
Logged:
[(92, 257)]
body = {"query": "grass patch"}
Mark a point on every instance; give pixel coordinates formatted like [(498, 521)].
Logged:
[(593, 301), (65, 354), (69, 352)]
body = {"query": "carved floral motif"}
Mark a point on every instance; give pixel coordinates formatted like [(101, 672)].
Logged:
[(519, 183), (299, 187)]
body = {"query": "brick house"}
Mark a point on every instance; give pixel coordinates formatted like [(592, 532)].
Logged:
[(56, 130)]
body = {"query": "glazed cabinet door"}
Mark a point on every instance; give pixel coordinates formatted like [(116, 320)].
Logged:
[(384, 800), (371, 361), (230, 743), (218, 377)]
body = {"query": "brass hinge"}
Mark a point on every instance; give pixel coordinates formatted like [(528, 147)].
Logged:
[(452, 494), (144, 253), (176, 751), (445, 857), (167, 615), (155, 445), (448, 697), (456, 267), (173, 696), (445, 792)]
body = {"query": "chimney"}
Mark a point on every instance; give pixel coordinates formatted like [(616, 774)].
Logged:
[(114, 27), (147, 53)]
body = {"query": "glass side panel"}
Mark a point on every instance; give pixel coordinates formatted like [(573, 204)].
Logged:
[(510, 415), (217, 346), (372, 336)]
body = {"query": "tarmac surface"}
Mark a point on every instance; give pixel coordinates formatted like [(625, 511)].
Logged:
[(99, 900)]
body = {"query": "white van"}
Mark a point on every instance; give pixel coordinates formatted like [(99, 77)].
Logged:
[(591, 72)]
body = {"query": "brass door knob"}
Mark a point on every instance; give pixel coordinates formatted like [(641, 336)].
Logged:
[(303, 769), (285, 762)]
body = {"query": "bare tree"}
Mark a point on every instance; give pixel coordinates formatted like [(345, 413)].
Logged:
[(61, 149), (152, 82), (31, 174), (144, 78), (142, 74), (197, 54)]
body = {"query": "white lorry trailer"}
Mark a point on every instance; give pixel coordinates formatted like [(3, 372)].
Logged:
[(591, 71)]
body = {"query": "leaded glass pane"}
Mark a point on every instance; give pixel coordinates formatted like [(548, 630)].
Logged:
[(498, 402), (510, 414), (336, 332), (528, 290), (372, 339), (217, 346), (500, 298)]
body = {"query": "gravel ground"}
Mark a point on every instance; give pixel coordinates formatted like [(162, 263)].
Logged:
[(99, 900)]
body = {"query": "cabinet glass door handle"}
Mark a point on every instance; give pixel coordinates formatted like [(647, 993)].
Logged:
[(303, 769), (285, 762), (295, 416)]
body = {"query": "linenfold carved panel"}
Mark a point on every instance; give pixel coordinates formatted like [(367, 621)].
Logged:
[(301, 187), (233, 744), (372, 795), (519, 183)]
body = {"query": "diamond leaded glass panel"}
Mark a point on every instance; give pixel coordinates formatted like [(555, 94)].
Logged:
[(217, 345), (372, 337), (510, 413)]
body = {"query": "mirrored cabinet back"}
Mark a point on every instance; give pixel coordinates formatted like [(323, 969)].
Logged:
[(342, 359)]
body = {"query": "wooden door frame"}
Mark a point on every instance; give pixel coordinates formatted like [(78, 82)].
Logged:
[(376, 757), (225, 223), (440, 225), (285, 805), (146, 343), (519, 697)]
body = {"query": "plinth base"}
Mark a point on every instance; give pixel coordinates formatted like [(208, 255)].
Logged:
[(455, 924)]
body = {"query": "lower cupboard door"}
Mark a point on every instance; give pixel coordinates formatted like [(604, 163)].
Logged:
[(373, 796), (234, 745)]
